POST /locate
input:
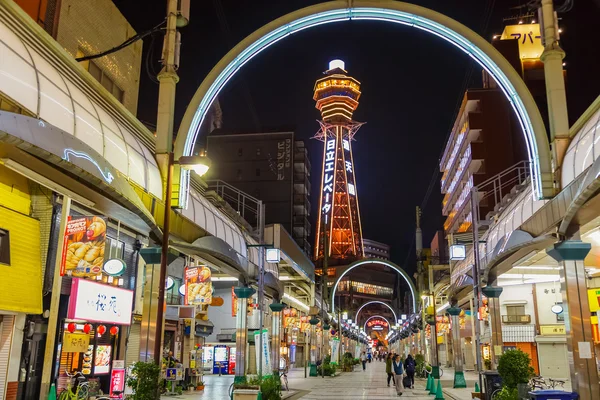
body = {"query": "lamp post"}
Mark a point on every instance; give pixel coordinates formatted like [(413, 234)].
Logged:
[(459, 375)]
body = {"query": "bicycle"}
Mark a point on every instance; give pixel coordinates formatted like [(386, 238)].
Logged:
[(82, 390), (284, 379), (538, 382), (557, 382), (426, 370)]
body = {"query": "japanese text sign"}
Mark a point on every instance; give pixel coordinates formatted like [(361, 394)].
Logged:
[(75, 342), (96, 302), (117, 383), (198, 286), (83, 249)]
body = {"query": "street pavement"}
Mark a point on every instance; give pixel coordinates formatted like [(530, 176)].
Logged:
[(370, 384)]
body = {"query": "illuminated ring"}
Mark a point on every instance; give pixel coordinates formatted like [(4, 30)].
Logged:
[(376, 302), (389, 11)]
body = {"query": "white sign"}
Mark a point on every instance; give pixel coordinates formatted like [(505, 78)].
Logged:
[(585, 349), (334, 343), (114, 267), (351, 189), (170, 283), (266, 356), (97, 302), (458, 252)]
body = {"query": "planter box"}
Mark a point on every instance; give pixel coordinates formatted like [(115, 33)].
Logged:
[(245, 394)]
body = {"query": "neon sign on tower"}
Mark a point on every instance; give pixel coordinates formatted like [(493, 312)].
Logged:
[(336, 96)]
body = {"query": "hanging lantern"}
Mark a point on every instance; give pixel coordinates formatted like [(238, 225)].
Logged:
[(87, 328), (114, 330), (101, 330), (71, 327)]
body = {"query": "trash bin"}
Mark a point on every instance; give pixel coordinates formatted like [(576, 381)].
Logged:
[(491, 382), (553, 395)]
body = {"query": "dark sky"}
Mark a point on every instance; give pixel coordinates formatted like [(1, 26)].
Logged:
[(411, 83)]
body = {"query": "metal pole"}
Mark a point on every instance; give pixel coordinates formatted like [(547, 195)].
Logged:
[(54, 303), (261, 284), (476, 279)]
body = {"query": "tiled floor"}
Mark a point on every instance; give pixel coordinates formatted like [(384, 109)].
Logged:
[(370, 384)]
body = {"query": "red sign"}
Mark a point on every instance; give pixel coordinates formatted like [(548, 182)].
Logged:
[(377, 322), (117, 383)]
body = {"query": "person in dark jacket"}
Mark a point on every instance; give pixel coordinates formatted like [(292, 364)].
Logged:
[(388, 369), (410, 367)]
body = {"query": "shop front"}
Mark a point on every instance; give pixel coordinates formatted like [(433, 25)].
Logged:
[(90, 340)]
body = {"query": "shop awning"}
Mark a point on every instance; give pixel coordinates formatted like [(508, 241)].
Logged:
[(294, 262)]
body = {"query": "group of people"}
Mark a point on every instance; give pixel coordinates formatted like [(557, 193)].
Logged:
[(400, 372)]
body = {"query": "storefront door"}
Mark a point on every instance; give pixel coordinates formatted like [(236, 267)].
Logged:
[(34, 365)]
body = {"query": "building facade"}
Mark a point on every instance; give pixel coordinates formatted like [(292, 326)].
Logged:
[(271, 167), (373, 249)]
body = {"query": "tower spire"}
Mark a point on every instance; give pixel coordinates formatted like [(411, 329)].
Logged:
[(336, 95)]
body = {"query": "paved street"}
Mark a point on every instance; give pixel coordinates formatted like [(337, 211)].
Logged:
[(370, 384)]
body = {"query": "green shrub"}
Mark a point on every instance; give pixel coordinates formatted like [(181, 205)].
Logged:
[(507, 394), (329, 369), (514, 366), (270, 388), (144, 381)]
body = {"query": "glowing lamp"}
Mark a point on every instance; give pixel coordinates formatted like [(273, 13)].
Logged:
[(114, 330), (198, 164), (101, 330), (71, 327), (87, 328), (333, 64)]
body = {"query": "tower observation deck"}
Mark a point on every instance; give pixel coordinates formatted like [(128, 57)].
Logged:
[(336, 96)]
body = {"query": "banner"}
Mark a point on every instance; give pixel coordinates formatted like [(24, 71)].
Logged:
[(234, 304), (335, 345), (83, 250), (357, 351), (198, 286), (266, 353)]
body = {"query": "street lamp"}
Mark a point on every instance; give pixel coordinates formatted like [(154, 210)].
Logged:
[(198, 164)]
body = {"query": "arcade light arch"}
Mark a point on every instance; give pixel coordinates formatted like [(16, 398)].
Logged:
[(377, 302), (377, 316), (397, 12)]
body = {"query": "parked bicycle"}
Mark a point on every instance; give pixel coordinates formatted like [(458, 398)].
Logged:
[(426, 369), (539, 383), (81, 387), (284, 379)]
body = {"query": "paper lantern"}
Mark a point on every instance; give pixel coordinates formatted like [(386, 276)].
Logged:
[(114, 330), (101, 329), (71, 327), (87, 328)]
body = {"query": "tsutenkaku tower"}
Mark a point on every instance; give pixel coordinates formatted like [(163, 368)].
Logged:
[(337, 97)]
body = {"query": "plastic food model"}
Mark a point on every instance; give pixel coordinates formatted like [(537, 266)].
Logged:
[(85, 255)]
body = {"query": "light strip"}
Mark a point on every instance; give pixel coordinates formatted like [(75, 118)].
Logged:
[(296, 301), (224, 279), (377, 302), (377, 14), (443, 307)]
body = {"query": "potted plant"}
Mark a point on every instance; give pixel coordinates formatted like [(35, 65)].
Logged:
[(514, 366), (246, 390), (144, 381), (200, 385)]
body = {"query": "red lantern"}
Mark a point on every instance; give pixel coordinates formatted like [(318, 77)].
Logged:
[(87, 328), (114, 330), (101, 329), (71, 327)]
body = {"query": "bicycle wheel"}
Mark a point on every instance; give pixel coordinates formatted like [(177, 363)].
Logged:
[(441, 372), (82, 392), (285, 381), (64, 395), (231, 391), (495, 393)]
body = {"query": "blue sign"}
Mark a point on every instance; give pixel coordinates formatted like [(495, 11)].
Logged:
[(171, 374)]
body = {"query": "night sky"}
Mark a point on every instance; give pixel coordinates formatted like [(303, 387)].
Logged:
[(411, 86)]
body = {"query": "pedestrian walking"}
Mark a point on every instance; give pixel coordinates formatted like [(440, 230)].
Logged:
[(363, 360), (410, 367), (398, 372), (388, 370)]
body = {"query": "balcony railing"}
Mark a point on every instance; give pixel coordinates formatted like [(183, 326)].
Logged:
[(516, 319)]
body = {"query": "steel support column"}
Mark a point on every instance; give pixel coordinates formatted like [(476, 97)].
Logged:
[(493, 295), (580, 342), (276, 308), (241, 331), (459, 375)]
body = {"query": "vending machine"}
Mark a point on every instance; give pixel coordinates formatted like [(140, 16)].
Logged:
[(231, 367), (207, 358), (221, 360)]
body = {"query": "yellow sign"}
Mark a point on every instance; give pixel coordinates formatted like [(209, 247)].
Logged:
[(552, 330), (530, 41), (75, 342), (594, 299)]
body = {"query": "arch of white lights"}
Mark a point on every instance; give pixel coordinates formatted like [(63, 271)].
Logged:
[(387, 11), (377, 302), (378, 316)]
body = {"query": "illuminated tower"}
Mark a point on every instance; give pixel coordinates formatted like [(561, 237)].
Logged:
[(337, 97)]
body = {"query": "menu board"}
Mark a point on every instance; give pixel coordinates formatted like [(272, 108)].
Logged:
[(198, 286), (86, 367), (102, 359), (83, 251)]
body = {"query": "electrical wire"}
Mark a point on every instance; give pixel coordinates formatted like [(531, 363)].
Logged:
[(126, 43)]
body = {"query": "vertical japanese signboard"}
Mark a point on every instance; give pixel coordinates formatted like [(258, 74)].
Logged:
[(266, 356), (328, 178), (284, 159), (83, 250), (198, 286)]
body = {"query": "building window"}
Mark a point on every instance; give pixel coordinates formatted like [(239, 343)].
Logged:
[(257, 171), (116, 248), (515, 310), (258, 151), (4, 247), (239, 174), (101, 77), (240, 152)]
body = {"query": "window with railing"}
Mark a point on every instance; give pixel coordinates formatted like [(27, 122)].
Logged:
[(365, 288)]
